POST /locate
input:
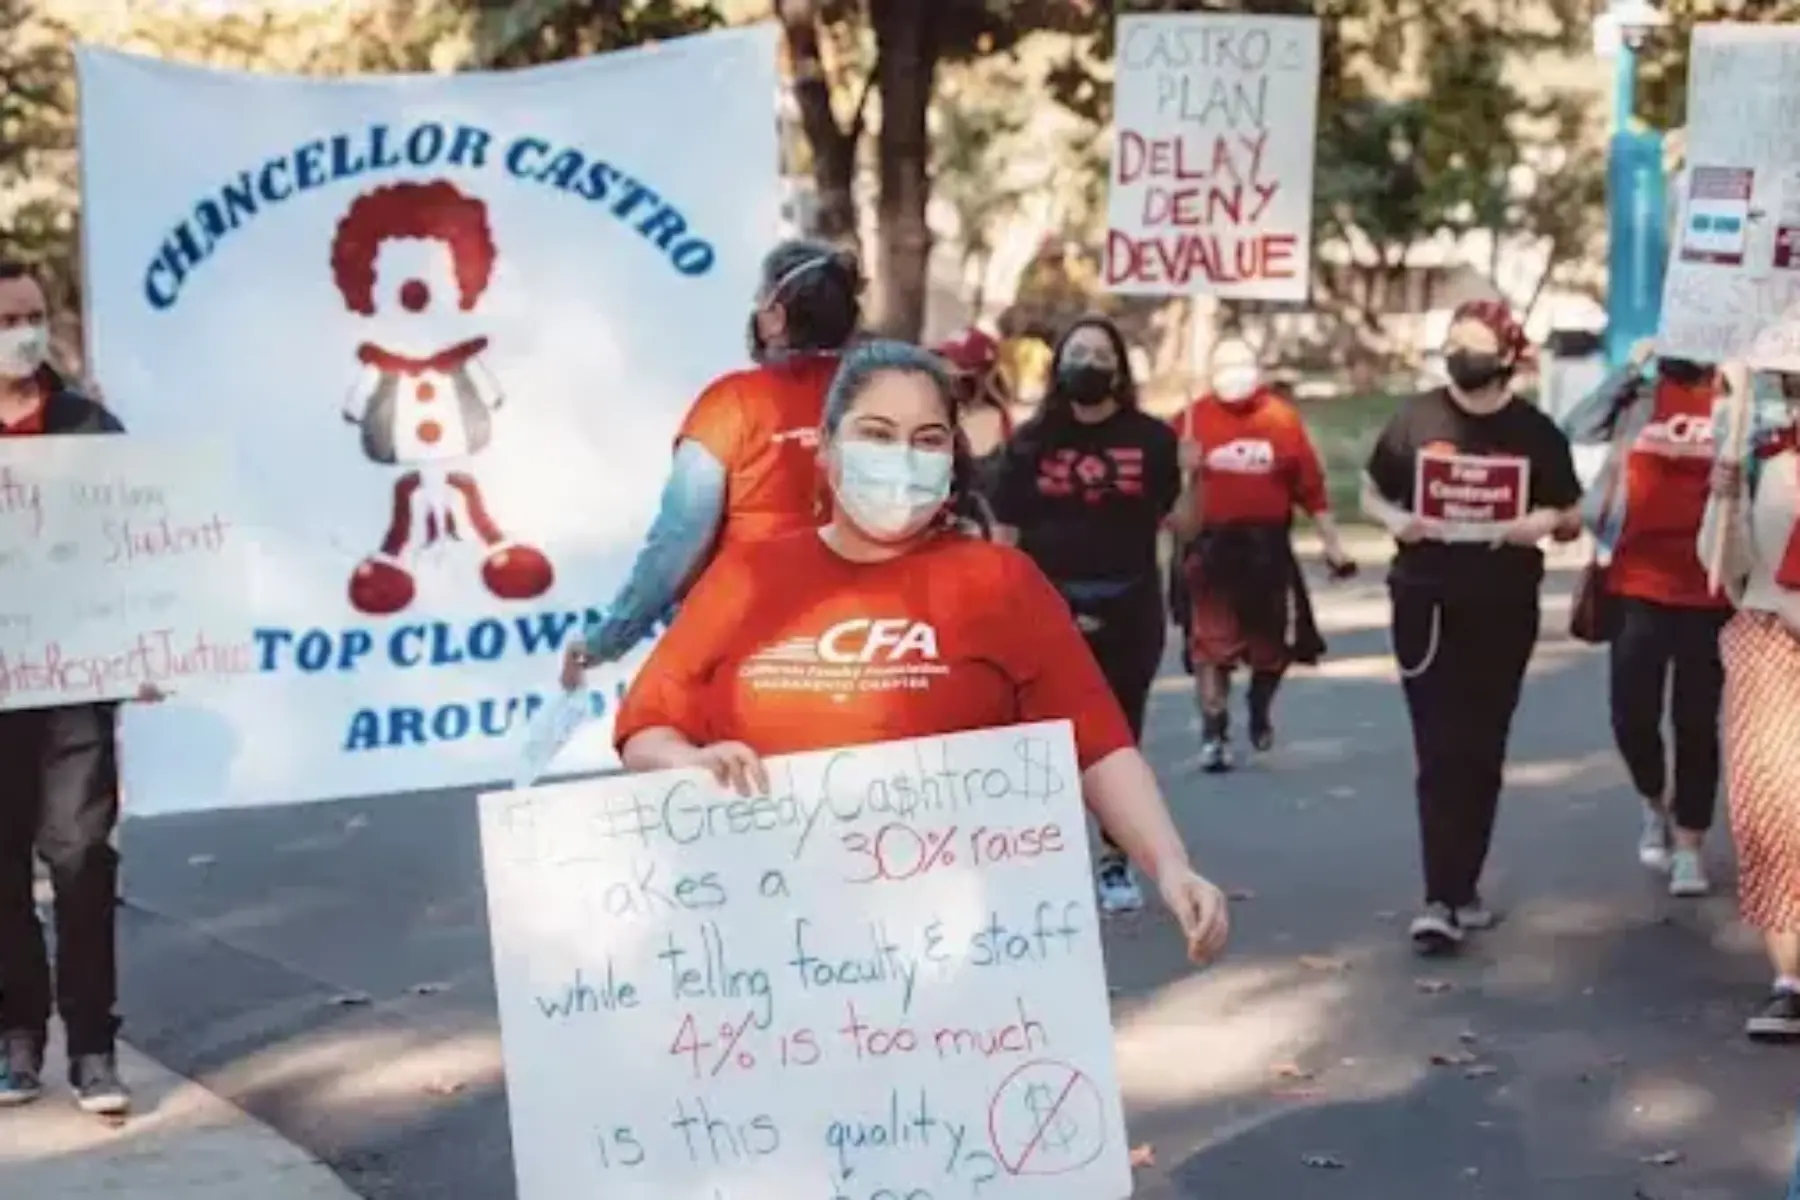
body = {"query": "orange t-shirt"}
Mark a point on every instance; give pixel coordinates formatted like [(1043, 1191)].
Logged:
[(762, 424), (1258, 461), (786, 646), (1667, 472)]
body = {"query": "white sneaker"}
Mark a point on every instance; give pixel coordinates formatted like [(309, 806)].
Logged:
[(1477, 917), (1118, 890), (1653, 843), (1687, 874), (1436, 930)]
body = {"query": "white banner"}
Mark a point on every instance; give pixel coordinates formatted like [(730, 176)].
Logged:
[(1214, 120), (1733, 285), (121, 564), (451, 325), (881, 981)]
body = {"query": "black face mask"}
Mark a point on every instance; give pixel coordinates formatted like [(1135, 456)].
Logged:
[(1086, 383), (1472, 370), (1681, 371)]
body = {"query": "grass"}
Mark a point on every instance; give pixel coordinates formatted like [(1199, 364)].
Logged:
[(1344, 429)]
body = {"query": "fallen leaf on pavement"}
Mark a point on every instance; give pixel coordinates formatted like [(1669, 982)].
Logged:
[(1143, 1156), (1481, 1071), (1452, 1058), (1323, 1162), (1434, 987), (351, 1000), (1664, 1158), (1291, 1071), (1322, 962)]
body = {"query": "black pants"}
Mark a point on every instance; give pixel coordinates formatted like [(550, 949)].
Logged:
[(1462, 662), (59, 796), (1652, 643), (1129, 648)]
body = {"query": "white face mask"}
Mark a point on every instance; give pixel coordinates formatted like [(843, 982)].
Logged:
[(891, 492), (23, 351), (1234, 385)]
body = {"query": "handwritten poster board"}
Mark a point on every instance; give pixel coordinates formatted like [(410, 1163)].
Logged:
[(881, 982), (122, 562), (1470, 498), (1733, 288), (1215, 116)]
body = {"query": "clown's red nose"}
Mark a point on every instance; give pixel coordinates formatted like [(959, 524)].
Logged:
[(414, 295)]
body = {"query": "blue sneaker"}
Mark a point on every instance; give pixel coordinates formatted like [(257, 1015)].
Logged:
[(21, 1069)]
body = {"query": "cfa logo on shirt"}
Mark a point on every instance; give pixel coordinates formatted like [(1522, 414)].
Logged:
[(806, 437), (1681, 436), (860, 641), (1245, 456)]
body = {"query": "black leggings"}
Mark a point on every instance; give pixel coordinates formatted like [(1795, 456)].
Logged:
[(1129, 648), (1462, 663), (1653, 643)]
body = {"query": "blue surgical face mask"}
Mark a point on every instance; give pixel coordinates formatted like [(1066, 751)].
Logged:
[(891, 492)]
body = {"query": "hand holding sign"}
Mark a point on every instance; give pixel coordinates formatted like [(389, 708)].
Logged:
[(1472, 497)]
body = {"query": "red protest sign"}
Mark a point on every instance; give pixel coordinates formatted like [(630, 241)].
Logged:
[(1470, 497)]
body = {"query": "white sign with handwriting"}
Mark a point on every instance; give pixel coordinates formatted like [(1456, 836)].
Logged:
[(122, 563), (1733, 284), (882, 981)]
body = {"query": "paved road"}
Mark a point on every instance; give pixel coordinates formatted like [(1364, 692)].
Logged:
[(326, 968)]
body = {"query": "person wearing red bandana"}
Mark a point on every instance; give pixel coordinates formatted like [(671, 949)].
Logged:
[(1752, 525), (1247, 602), (1663, 621), (984, 401), (1470, 479)]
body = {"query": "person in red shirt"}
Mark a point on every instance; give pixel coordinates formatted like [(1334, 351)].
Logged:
[(1645, 511), (744, 466), (770, 652), (1247, 597)]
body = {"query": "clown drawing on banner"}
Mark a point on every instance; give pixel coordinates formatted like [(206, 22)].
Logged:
[(414, 260)]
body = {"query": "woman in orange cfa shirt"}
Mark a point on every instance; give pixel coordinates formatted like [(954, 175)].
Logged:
[(744, 464), (1645, 513), (728, 683), (1248, 601)]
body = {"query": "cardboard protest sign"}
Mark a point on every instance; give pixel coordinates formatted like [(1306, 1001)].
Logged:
[(1214, 120), (882, 980), (1733, 285), (451, 325), (1470, 497), (123, 562)]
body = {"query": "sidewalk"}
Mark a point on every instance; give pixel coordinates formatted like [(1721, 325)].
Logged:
[(185, 1144)]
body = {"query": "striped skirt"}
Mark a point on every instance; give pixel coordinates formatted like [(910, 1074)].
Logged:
[(1762, 765)]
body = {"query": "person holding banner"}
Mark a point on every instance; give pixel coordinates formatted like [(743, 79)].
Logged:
[(1750, 541), (1247, 599), (1083, 491), (1470, 479), (744, 467), (60, 799), (925, 631), (1662, 619)]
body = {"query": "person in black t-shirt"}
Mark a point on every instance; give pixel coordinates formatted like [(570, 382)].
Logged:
[(1470, 480), (1085, 485)]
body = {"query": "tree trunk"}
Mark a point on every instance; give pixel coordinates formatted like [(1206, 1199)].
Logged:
[(905, 75), (833, 146)]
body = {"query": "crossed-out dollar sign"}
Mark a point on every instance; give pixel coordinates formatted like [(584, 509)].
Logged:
[(1057, 1130)]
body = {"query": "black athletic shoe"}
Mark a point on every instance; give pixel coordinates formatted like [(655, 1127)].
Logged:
[(21, 1068), (1778, 1020), (1262, 736), (98, 1088)]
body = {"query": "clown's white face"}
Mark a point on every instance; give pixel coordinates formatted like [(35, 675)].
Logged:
[(417, 300)]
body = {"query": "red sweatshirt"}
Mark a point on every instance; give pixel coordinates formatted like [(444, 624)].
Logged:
[(1664, 493)]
